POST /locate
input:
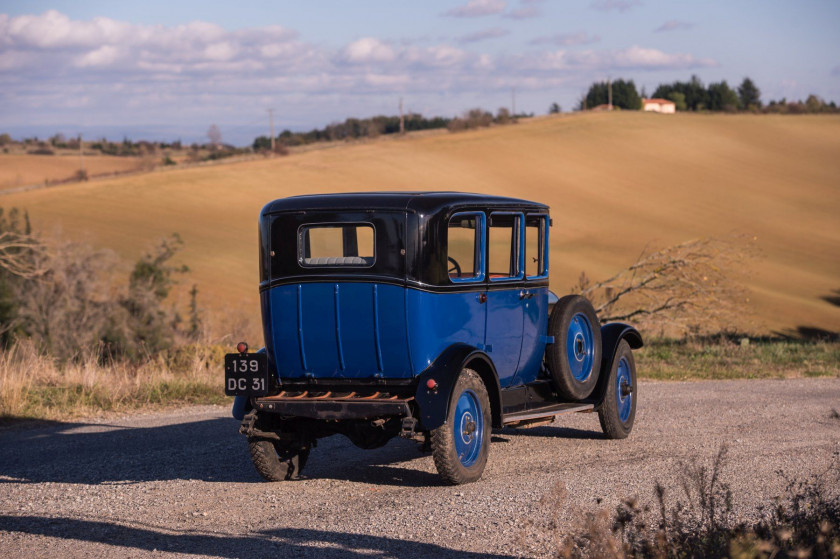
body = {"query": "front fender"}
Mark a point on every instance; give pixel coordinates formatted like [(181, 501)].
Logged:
[(611, 336), (434, 404), (242, 404)]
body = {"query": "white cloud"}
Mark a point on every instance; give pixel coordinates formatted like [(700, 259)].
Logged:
[(484, 35), (617, 5), (639, 57), (567, 39), (105, 55), (367, 50), (478, 8), (525, 12), (674, 25)]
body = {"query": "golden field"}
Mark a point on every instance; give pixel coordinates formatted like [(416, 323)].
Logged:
[(24, 170), (616, 183)]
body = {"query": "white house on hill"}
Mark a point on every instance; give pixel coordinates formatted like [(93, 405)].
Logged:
[(659, 106)]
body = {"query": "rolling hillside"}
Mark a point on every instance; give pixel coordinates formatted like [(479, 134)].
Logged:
[(615, 182)]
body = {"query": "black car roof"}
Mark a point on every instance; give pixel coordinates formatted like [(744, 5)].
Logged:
[(420, 202)]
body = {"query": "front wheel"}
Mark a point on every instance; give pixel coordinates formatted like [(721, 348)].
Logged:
[(618, 411), (461, 445)]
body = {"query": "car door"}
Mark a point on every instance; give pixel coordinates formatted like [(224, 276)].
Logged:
[(505, 304), (534, 297)]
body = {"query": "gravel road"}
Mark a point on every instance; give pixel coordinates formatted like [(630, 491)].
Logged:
[(181, 483)]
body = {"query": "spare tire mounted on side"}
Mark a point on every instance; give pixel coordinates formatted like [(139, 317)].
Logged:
[(574, 358)]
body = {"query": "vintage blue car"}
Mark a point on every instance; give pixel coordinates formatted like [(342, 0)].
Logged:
[(424, 315)]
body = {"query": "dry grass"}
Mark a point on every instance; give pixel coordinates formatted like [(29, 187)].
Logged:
[(617, 183), (25, 170), (736, 358), (38, 387)]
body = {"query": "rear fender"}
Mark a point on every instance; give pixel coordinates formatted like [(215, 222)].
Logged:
[(611, 336), (242, 404), (434, 404)]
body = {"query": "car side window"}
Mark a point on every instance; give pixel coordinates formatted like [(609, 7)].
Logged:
[(465, 247), (536, 244), (504, 240)]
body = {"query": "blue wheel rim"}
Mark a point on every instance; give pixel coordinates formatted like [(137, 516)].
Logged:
[(624, 401), (468, 428), (580, 347)]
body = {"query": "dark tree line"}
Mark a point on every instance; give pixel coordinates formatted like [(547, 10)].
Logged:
[(693, 95), (353, 128)]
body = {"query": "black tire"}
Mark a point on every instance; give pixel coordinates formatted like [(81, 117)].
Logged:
[(574, 358), (616, 413), (468, 467), (277, 460)]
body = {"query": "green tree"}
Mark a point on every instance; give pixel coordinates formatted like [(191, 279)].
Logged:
[(624, 95), (722, 97), (678, 99), (696, 96), (554, 109), (749, 95), (814, 104), (151, 327), (261, 143)]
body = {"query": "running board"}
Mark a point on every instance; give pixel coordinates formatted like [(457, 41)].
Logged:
[(545, 412)]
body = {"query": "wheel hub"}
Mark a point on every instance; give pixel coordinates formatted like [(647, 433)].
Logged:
[(467, 427)]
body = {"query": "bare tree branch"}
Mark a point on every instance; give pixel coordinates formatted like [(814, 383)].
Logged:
[(18, 253), (692, 286)]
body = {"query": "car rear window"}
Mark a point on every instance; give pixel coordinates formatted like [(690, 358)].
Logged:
[(337, 244)]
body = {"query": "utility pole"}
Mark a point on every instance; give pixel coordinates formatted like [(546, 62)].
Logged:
[(271, 127), (512, 102), (402, 119), (81, 158), (609, 93)]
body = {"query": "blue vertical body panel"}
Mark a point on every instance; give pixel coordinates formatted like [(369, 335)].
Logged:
[(438, 320), (503, 338), (337, 330), (533, 336)]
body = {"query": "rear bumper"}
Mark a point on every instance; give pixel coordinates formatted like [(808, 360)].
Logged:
[(335, 406)]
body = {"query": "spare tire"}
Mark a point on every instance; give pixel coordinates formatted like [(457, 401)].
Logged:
[(574, 358)]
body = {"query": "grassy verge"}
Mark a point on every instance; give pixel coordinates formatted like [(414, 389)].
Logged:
[(33, 386), (737, 358)]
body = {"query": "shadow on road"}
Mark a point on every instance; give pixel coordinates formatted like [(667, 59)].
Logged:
[(551, 431), (281, 542), (209, 450)]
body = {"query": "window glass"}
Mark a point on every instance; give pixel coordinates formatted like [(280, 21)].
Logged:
[(534, 236), (461, 246), (346, 244), (503, 246)]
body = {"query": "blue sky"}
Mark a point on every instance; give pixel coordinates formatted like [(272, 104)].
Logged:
[(167, 70)]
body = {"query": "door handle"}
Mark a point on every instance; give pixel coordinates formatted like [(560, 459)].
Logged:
[(525, 294)]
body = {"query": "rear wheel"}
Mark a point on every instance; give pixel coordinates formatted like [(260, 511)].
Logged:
[(278, 461), (618, 411), (575, 356), (461, 445)]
